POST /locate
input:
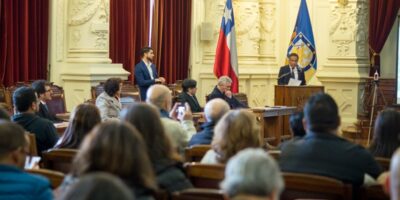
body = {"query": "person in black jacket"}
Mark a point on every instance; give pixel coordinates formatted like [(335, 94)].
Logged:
[(43, 91), (188, 95), (322, 152), (292, 70), (223, 91), (213, 112), (26, 104)]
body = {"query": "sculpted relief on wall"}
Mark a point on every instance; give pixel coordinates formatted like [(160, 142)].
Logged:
[(88, 27), (254, 23), (349, 29)]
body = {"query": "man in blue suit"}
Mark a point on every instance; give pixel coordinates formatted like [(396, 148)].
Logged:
[(293, 70), (146, 73)]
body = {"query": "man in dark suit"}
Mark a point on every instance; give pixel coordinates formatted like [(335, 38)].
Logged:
[(223, 91), (26, 104), (188, 95), (213, 112), (293, 70), (146, 73), (322, 152), (43, 91)]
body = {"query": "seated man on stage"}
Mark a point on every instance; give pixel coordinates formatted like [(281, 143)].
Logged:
[(223, 91), (293, 70)]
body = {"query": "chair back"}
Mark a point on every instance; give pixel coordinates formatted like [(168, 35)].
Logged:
[(55, 177), (57, 103), (373, 192), (32, 145), (199, 194), (306, 186), (130, 90), (59, 159), (383, 162), (196, 153), (97, 90), (205, 175), (242, 98), (276, 154)]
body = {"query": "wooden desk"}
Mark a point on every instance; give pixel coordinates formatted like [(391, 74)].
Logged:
[(61, 127), (271, 121)]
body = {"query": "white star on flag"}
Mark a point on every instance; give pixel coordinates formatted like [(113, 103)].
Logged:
[(227, 15)]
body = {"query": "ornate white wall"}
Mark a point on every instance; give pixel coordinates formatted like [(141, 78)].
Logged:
[(79, 47), (263, 30)]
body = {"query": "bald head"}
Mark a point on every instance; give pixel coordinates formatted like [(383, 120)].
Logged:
[(395, 176), (215, 109), (159, 96)]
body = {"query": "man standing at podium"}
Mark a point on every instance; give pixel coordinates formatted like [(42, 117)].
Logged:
[(291, 71)]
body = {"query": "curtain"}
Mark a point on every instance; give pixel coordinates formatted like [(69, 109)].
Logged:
[(171, 38), (129, 30), (382, 16), (24, 40)]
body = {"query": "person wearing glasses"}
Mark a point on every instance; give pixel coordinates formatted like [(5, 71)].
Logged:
[(14, 182), (44, 92)]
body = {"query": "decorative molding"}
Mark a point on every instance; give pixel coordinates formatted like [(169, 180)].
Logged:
[(60, 27), (268, 30), (82, 11)]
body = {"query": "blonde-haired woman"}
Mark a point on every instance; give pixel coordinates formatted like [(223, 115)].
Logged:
[(236, 130)]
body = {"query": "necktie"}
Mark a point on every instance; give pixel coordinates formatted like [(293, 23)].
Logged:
[(292, 74)]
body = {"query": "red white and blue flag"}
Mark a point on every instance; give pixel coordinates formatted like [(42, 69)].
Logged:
[(226, 62)]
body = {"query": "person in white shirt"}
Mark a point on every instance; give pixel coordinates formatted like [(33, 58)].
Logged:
[(179, 127)]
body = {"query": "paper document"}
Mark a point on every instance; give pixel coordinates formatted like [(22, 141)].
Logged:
[(294, 82)]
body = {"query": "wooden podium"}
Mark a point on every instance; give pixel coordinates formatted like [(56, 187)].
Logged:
[(293, 96)]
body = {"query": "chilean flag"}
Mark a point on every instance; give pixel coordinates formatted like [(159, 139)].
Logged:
[(226, 62)]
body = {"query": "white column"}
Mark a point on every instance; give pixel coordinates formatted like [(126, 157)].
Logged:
[(79, 50)]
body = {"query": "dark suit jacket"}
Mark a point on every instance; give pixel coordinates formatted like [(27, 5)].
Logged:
[(285, 79), (328, 155), (205, 136), (143, 79), (233, 102), (192, 101), (45, 113), (44, 130)]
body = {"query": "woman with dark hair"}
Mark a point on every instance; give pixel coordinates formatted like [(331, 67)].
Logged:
[(165, 160), (108, 101), (386, 134), (99, 186), (83, 119), (116, 148), (236, 131)]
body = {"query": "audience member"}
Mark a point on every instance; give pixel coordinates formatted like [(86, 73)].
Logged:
[(322, 152), (394, 183), (188, 95), (116, 148), (4, 115), (83, 119), (44, 92), (252, 174), (223, 91), (146, 73), (14, 182), (165, 160), (236, 130), (180, 132), (98, 186), (386, 134), (213, 112), (296, 127), (108, 101), (26, 104)]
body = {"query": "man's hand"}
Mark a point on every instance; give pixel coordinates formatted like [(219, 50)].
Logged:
[(228, 93), (162, 80)]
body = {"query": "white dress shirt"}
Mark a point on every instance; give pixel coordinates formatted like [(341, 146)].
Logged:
[(296, 72), (148, 65)]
